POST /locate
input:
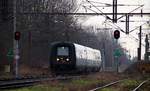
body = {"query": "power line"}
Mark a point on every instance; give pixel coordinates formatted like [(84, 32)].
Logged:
[(135, 21), (98, 9), (60, 13), (111, 5), (115, 27), (91, 10), (127, 5), (78, 7), (138, 27), (107, 4), (97, 6), (100, 2), (136, 39), (131, 11)]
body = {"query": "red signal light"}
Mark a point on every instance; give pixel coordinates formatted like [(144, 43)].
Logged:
[(17, 35), (116, 34)]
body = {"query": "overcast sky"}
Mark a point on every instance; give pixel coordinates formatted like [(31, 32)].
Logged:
[(128, 42)]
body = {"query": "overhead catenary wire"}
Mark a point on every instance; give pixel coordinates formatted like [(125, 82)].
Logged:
[(99, 10), (100, 3), (136, 39), (78, 7), (137, 27), (91, 10), (107, 4), (116, 27), (105, 16), (130, 12), (95, 13)]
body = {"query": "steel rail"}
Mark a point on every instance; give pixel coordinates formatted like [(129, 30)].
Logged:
[(136, 89), (20, 83), (29, 82), (107, 85), (17, 85)]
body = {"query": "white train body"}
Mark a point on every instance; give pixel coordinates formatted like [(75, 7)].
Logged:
[(87, 58), (71, 57)]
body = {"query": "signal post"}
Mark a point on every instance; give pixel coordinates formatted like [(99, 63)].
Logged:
[(117, 52), (16, 52), (15, 41)]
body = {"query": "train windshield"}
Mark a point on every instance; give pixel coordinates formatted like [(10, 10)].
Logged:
[(62, 51)]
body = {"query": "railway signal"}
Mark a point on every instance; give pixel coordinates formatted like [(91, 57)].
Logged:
[(116, 34), (17, 35), (16, 52)]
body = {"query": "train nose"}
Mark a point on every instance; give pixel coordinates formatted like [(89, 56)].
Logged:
[(62, 67), (63, 60)]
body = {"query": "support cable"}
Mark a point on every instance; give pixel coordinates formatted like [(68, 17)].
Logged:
[(131, 11), (78, 7), (99, 10), (138, 27)]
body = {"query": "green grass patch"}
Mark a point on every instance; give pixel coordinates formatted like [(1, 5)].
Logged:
[(74, 85), (38, 88), (107, 89), (84, 82), (146, 76), (130, 83)]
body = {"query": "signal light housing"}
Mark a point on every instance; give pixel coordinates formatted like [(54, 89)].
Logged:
[(116, 34), (17, 35)]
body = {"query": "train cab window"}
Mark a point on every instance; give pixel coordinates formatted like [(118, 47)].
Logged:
[(63, 51)]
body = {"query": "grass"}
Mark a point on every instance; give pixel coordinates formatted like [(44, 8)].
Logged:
[(74, 85), (107, 89), (130, 83), (84, 82), (38, 88), (124, 86)]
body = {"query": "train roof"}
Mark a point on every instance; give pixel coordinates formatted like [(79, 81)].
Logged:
[(89, 48), (70, 43), (61, 43)]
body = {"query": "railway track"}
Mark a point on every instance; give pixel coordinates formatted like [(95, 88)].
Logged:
[(15, 83), (107, 85), (119, 81), (140, 85)]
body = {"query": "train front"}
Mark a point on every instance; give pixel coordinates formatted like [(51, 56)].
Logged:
[(62, 58)]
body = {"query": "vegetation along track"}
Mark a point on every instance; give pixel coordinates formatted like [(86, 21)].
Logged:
[(107, 85), (140, 85), (15, 83), (124, 85)]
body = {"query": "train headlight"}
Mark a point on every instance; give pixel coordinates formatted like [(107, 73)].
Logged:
[(58, 59), (67, 59)]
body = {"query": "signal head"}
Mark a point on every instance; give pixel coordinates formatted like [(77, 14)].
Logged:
[(116, 34), (17, 35)]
